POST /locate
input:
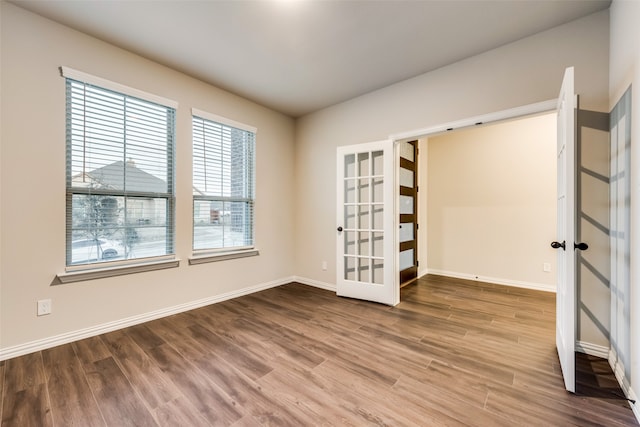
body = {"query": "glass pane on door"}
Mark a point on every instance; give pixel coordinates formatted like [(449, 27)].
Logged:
[(377, 164), (363, 212), (350, 268), (406, 177), (406, 205), (406, 259), (406, 232), (377, 271), (406, 151), (349, 165)]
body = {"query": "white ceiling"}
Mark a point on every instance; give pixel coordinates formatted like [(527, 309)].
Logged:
[(298, 56)]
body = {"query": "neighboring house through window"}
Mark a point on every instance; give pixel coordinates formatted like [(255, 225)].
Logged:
[(223, 183), (120, 172)]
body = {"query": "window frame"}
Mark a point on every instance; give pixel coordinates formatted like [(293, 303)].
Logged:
[(102, 268), (212, 254)]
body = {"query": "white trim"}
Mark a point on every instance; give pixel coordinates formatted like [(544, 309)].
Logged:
[(81, 274), (223, 120), (618, 370), (512, 113), (49, 342), (315, 283), (623, 381), (635, 407), (117, 87), (494, 280), (221, 256), (592, 349)]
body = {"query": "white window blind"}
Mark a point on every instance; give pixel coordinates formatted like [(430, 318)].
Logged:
[(120, 175), (223, 185)]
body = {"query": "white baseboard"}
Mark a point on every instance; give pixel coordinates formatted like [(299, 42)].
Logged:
[(635, 407), (315, 283), (49, 342), (495, 280), (592, 349), (618, 371)]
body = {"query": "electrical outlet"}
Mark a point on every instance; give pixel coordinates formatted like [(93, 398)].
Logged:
[(546, 267), (324, 265), (44, 307)]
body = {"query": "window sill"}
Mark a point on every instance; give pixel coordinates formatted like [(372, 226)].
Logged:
[(100, 273), (224, 256)]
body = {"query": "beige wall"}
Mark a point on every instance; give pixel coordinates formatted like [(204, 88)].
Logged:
[(625, 71), (33, 186), (491, 202), (517, 74)]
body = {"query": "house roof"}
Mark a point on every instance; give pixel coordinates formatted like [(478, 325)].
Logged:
[(114, 175)]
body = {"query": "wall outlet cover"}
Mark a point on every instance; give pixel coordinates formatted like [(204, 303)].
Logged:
[(44, 307)]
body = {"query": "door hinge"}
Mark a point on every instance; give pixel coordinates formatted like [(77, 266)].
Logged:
[(417, 263), (417, 188), (417, 226)]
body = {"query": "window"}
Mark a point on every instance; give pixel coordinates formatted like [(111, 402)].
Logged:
[(120, 174), (223, 183)]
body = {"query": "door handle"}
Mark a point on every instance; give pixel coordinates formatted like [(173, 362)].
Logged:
[(557, 245), (339, 229), (581, 246)]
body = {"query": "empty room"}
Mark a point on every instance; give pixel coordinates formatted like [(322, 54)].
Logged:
[(213, 213)]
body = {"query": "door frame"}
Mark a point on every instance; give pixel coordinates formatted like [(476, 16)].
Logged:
[(512, 113), (495, 117)]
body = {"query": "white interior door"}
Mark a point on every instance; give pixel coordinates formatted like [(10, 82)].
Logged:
[(566, 286), (365, 236)]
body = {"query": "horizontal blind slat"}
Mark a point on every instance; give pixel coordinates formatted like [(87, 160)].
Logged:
[(222, 179), (119, 175)]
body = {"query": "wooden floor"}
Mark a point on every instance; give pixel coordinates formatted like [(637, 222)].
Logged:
[(452, 353)]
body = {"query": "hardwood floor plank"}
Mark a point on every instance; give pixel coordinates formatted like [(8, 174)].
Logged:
[(72, 402), (458, 411), (247, 421), (24, 372), (375, 358), (452, 353), (173, 328), (253, 399), (212, 403), (368, 405), (25, 396), (144, 375), (27, 407), (516, 407), (179, 412), (91, 350), (468, 387), (144, 337), (2, 363), (119, 403), (298, 388), (246, 361)]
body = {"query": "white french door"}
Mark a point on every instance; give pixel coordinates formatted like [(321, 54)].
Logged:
[(365, 235), (566, 286)]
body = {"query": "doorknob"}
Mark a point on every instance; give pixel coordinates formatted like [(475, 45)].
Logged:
[(556, 245), (339, 229), (581, 246)]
